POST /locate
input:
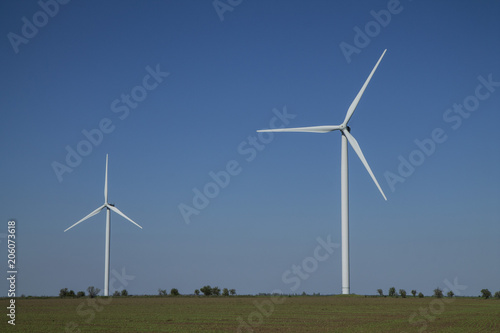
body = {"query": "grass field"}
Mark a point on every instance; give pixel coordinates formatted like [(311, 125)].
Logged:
[(255, 314)]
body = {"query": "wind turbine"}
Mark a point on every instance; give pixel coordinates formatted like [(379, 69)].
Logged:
[(346, 137), (109, 207)]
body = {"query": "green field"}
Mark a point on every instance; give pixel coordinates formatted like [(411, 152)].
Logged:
[(283, 314)]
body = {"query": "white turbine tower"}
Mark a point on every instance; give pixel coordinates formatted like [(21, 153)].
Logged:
[(346, 136), (109, 207)]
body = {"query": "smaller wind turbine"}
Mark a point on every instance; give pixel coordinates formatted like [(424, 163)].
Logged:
[(109, 207)]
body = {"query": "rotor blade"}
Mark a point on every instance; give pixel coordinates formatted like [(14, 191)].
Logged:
[(106, 182), (357, 149), (312, 129), (88, 216), (354, 103), (116, 210)]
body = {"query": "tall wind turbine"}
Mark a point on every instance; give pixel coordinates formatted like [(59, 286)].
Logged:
[(109, 207), (346, 137)]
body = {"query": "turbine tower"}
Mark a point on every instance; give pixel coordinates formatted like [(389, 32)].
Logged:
[(346, 137), (109, 207)]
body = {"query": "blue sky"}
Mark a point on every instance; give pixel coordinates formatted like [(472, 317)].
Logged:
[(227, 78)]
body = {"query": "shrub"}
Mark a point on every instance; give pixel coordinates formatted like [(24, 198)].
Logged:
[(414, 292), (485, 293), (93, 291), (233, 292), (497, 294), (116, 293), (80, 294), (402, 292), (162, 292), (450, 294), (225, 292), (216, 291), (197, 292), (392, 291), (380, 292), (124, 292), (63, 292), (174, 292), (420, 295), (206, 290), (438, 293)]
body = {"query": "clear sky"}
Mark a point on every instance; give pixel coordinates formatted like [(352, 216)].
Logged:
[(174, 92)]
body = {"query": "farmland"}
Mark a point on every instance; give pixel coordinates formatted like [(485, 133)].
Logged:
[(260, 314)]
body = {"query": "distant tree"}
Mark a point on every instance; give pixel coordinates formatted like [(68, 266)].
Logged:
[(124, 292), (216, 291), (225, 292), (80, 294), (497, 294), (392, 291), (414, 292), (420, 295), (93, 291), (438, 293), (402, 292), (116, 293), (63, 292), (71, 293), (197, 292), (380, 292), (485, 293), (233, 292), (174, 292), (162, 292), (450, 294), (206, 290)]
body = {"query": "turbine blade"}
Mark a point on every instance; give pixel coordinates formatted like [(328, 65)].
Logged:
[(106, 182), (357, 149), (117, 211), (87, 217), (354, 103), (312, 129)]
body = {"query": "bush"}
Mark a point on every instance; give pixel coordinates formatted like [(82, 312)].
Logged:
[(413, 292), (233, 292), (450, 294), (63, 292), (206, 290), (420, 295), (174, 292), (197, 292), (162, 292), (124, 292), (392, 291), (497, 294), (93, 291), (216, 291), (438, 293), (380, 292), (80, 294), (116, 293), (225, 292), (485, 293), (402, 292)]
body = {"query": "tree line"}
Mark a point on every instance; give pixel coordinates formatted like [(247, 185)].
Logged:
[(485, 293), (216, 291)]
